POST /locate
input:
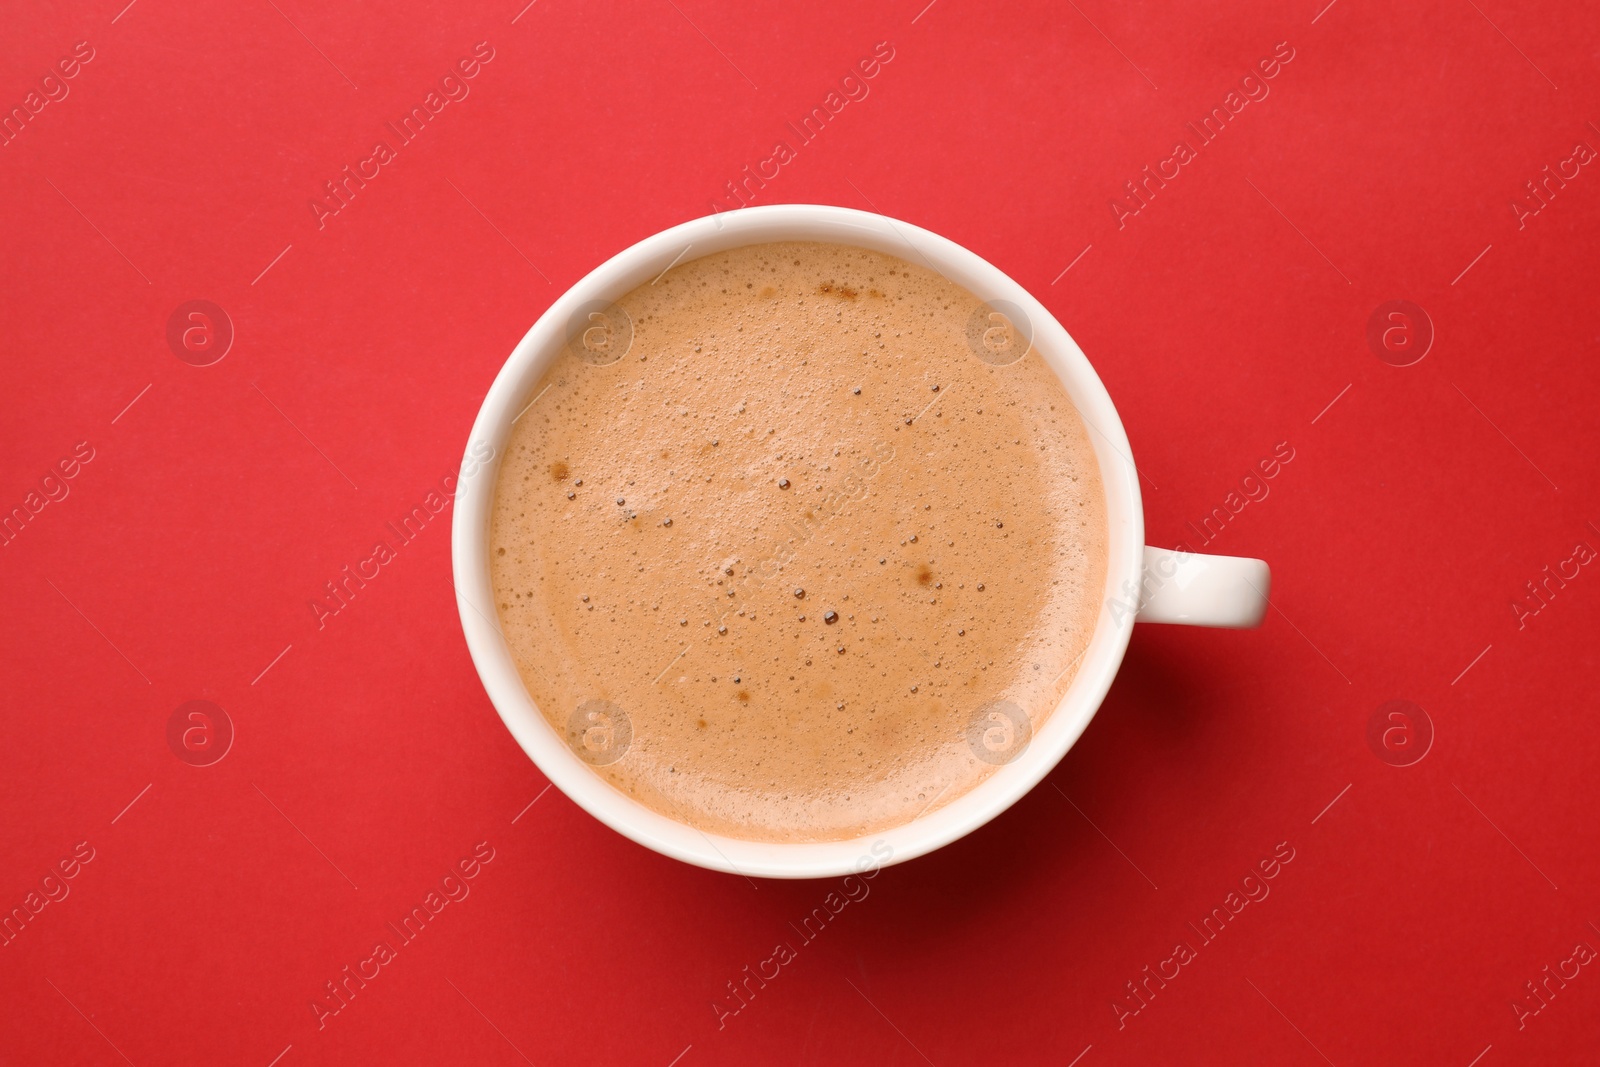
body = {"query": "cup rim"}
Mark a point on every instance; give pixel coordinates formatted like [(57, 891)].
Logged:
[(497, 669)]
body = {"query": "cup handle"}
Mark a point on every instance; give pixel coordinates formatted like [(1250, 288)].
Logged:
[(1200, 590)]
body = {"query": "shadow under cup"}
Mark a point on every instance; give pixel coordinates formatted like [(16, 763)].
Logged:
[(1009, 323)]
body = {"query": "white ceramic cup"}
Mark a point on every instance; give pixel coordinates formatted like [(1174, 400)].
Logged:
[(1150, 584)]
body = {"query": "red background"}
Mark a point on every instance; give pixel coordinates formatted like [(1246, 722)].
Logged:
[(1224, 317)]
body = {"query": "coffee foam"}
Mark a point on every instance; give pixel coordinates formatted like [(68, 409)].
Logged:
[(801, 561)]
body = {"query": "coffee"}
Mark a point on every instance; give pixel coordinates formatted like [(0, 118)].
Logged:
[(798, 541)]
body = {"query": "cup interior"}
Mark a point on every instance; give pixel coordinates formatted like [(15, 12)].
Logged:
[(511, 391)]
